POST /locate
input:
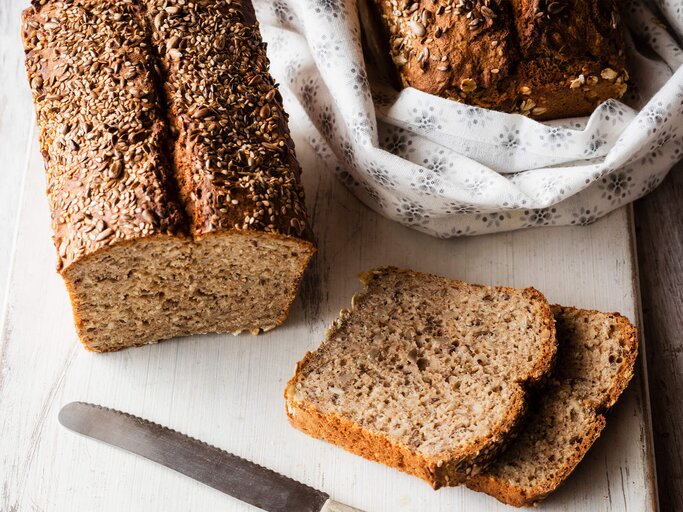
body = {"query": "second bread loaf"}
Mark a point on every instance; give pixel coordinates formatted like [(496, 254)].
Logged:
[(542, 58)]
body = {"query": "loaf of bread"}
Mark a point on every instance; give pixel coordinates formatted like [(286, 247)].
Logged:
[(542, 58), (595, 360), (425, 374), (175, 193)]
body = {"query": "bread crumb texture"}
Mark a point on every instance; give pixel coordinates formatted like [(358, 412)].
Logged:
[(595, 362), (424, 373)]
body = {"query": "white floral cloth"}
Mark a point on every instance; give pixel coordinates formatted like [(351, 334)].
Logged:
[(449, 169)]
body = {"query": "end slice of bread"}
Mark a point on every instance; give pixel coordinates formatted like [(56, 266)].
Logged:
[(596, 356), (425, 374), (160, 287)]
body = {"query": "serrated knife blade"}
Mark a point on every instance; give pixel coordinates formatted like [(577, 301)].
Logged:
[(233, 475)]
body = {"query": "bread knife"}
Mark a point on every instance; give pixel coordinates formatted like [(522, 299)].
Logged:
[(233, 475)]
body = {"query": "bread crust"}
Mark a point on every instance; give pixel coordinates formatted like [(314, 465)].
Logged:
[(519, 497), (449, 468), (142, 145), (522, 56), (511, 494)]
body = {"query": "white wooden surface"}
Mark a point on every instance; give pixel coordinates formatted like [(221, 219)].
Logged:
[(228, 391), (16, 113)]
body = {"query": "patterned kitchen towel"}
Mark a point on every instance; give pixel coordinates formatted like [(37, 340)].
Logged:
[(450, 169)]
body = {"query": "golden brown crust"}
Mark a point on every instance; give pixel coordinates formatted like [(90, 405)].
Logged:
[(516, 496), (539, 58), (520, 496), (449, 468)]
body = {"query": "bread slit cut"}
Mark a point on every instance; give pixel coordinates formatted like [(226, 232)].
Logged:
[(425, 374), (175, 194), (596, 356)]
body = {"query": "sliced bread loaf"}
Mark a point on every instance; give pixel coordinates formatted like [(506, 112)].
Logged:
[(424, 373), (595, 360), (175, 194)]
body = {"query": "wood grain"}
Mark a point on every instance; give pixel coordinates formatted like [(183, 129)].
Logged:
[(16, 125), (659, 222)]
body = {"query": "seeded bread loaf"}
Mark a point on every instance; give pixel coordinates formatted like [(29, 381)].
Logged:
[(424, 373), (175, 193), (595, 360), (543, 58)]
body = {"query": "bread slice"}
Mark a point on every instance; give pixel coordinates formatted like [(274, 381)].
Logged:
[(425, 374), (595, 360)]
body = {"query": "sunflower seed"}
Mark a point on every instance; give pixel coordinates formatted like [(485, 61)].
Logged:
[(468, 85), (608, 74), (417, 28)]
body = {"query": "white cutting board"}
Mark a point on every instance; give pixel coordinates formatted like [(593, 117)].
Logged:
[(228, 390)]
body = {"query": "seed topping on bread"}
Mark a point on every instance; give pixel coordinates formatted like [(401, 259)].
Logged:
[(227, 114), (482, 52), (175, 194), (89, 56)]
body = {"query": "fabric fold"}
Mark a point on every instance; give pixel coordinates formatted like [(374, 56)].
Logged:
[(449, 169)]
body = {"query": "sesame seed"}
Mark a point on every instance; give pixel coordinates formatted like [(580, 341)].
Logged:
[(109, 177)]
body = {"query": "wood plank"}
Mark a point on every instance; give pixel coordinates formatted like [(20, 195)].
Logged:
[(659, 222), (16, 124), (228, 390)]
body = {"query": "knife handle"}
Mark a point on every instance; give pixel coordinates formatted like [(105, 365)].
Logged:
[(334, 506)]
